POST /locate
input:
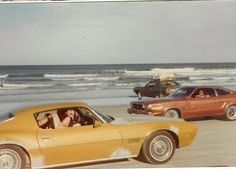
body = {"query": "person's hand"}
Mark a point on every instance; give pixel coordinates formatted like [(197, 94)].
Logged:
[(77, 125)]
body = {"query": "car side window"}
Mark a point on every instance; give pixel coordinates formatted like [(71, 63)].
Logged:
[(64, 117), (46, 119), (87, 116), (221, 92), (203, 93), (151, 84)]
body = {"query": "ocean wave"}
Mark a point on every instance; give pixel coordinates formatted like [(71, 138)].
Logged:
[(111, 78), (112, 71), (67, 75), (172, 70), (201, 78), (85, 84), (159, 71), (3, 76), (125, 84), (23, 86), (181, 71)]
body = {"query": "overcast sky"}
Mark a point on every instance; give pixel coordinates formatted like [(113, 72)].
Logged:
[(112, 32)]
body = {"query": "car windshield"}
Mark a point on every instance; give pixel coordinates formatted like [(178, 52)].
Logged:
[(182, 92), (5, 116), (106, 118)]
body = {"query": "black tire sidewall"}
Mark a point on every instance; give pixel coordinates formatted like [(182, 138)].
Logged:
[(145, 148)]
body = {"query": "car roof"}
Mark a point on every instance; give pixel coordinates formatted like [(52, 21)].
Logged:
[(34, 108), (205, 86)]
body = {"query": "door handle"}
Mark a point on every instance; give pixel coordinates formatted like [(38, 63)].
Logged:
[(45, 137)]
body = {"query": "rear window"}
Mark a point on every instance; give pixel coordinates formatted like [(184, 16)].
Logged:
[(5, 116)]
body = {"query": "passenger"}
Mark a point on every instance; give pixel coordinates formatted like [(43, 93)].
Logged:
[(46, 122), (72, 119)]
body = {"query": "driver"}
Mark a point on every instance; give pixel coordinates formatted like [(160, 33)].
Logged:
[(201, 94)]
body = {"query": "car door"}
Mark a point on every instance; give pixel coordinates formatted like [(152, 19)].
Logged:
[(201, 106), (149, 90), (75, 144)]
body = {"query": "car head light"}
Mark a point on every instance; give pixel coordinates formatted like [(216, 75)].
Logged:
[(149, 107)]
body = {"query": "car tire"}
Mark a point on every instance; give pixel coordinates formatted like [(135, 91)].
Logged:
[(158, 148), (172, 113), (13, 157), (230, 113)]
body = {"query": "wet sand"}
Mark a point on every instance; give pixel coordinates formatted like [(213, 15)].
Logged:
[(214, 146)]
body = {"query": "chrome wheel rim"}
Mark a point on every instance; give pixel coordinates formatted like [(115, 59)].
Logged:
[(9, 159), (172, 114), (231, 112), (161, 148)]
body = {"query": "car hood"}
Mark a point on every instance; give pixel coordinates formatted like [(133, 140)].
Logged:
[(138, 118)]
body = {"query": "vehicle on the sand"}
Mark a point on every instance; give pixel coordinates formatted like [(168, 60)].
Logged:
[(26, 142), (190, 102), (156, 88)]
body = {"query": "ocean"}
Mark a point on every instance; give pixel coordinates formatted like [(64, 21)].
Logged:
[(100, 85), (58, 78)]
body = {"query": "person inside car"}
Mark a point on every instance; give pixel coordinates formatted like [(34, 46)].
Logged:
[(201, 94), (46, 122), (72, 119)]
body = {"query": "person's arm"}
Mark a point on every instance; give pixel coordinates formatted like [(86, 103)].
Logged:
[(56, 120), (65, 122), (43, 121)]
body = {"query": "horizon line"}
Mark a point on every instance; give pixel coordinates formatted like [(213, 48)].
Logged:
[(121, 64)]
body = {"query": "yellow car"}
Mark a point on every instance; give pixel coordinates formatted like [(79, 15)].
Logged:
[(70, 133)]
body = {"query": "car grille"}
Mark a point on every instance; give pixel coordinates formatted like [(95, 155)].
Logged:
[(138, 106)]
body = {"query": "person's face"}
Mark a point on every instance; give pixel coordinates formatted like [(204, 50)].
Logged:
[(201, 92), (70, 113)]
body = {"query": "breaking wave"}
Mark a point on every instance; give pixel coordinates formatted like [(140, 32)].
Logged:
[(112, 71)]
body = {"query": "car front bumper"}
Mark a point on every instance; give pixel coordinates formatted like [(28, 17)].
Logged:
[(139, 111)]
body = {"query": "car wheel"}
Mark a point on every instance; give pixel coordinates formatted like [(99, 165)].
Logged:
[(13, 157), (230, 113), (158, 148), (172, 113)]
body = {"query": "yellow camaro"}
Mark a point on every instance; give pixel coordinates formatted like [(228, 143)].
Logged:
[(70, 133)]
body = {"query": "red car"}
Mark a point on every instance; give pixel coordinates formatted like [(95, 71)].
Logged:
[(189, 102)]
